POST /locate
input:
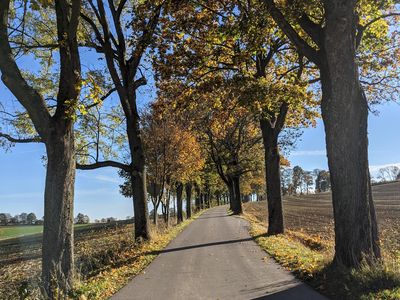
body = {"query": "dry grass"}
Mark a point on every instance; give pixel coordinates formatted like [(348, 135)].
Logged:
[(105, 260), (307, 247)]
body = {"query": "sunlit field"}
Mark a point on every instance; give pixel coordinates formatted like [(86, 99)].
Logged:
[(308, 246), (8, 232), (100, 249)]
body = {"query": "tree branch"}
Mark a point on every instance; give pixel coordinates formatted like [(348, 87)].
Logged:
[(144, 41), (291, 33), (312, 29), (361, 28), (11, 139), (102, 99), (104, 164), (281, 118)]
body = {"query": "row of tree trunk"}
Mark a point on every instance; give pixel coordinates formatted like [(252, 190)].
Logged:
[(203, 200)]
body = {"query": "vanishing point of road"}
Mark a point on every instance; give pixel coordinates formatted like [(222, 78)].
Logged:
[(215, 258)]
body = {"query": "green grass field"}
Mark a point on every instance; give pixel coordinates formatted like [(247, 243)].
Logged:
[(9, 232)]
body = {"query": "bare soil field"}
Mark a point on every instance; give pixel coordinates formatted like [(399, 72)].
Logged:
[(312, 215)]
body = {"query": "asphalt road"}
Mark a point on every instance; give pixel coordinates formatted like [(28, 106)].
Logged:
[(215, 258)]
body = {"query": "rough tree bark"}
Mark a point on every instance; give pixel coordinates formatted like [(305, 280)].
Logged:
[(237, 202), (58, 242), (138, 175), (179, 207), (197, 199), (56, 131), (345, 115), (271, 126), (188, 189), (155, 215), (270, 132), (123, 70), (231, 192)]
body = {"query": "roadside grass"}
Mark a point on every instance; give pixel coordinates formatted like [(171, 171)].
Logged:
[(105, 272), (11, 231), (105, 259), (7, 232), (310, 257)]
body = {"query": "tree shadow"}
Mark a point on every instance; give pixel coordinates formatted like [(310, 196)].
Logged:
[(298, 292), (212, 217), (168, 250)]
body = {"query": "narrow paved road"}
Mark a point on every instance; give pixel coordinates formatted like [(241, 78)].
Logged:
[(215, 258)]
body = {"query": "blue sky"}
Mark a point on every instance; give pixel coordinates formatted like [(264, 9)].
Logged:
[(384, 141), (22, 173)]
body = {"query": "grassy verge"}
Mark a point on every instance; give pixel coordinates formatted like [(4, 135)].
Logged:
[(109, 270), (10, 231), (309, 258), (7, 232)]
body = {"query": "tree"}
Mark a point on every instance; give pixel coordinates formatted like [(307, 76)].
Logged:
[(23, 218), (173, 157), (322, 182), (389, 173), (234, 39), (82, 219), (297, 179), (188, 192), (233, 141), (331, 42), (286, 180), (54, 128), (5, 218), (31, 218), (109, 35), (308, 180)]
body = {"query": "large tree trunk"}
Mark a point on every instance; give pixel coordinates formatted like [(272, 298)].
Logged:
[(155, 212), (237, 202), (188, 188), (345, 115), (138, 178), (166, 208), (273, 178), (58, 242), (197, 199), (179, 208), (231, 192)]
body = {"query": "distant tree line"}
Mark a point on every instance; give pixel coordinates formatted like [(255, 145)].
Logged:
[(298, 181), (108, 220), (21, 219), (81, 219), (388, 174), (31, 219)]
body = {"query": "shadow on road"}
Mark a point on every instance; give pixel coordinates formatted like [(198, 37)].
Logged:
[(212, 217), (298, 292), (200, 246)]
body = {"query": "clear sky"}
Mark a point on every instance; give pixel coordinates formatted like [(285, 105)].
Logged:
[(22, 173)]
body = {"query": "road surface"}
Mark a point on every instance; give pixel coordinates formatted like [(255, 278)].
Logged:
[(215, 258)]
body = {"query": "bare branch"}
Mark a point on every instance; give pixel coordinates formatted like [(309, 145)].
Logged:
[(12, 78), (11, 139), (104, 164), (361, 28), (102, 99), (305, 49)]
